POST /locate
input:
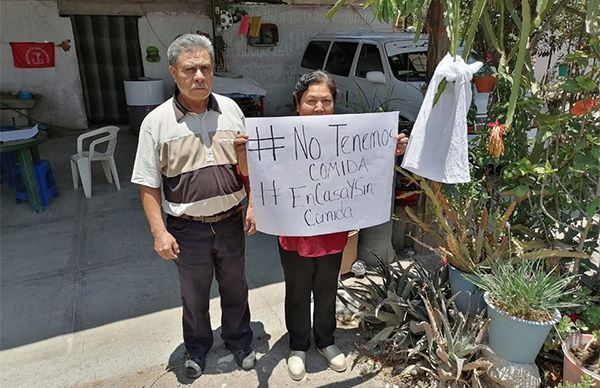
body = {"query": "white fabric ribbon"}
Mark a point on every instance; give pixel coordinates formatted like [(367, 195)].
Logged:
[(438, 146)]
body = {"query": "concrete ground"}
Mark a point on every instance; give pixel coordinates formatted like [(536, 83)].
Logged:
[(85, 301)]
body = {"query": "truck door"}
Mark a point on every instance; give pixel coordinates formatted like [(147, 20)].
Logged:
[(339, 63), (366, 95)]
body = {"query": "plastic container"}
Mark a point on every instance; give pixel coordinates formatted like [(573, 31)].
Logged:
[(514, 339), (469, 298), (572, 370), (142, 96), (23, 95)]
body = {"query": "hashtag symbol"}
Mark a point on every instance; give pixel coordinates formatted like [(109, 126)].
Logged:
[(259, 146), (274, 192)]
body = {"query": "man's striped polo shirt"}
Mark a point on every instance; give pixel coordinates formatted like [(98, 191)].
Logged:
[(191, 156)]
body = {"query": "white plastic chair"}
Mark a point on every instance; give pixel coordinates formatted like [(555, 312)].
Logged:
[(82, 160)]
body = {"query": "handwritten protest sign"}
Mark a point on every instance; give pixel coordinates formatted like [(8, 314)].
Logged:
[(312, 175)]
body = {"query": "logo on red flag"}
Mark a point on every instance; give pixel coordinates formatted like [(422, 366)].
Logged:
[(33, 54)]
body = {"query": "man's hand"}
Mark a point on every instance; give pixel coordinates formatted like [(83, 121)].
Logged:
[(401, 142), (239, 144), (249, 221), (166, 245)]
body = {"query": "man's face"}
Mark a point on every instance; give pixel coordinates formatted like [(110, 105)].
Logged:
[(193, 74)]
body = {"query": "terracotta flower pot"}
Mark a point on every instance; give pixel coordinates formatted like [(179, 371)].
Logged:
[(484, 83), (572, 370), (350, 252)]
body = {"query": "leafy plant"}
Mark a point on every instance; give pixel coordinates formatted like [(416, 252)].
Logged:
[(587, 314), (453, 344), (415, 319), (525, 289), (559, 174), (585, 382), (563, 329), (471, 235), (583, 318), (390, 299)]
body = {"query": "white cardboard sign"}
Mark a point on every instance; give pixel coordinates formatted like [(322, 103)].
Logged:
[(312, 175)]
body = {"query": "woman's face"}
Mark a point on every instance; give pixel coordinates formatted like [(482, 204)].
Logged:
[(316, 100)]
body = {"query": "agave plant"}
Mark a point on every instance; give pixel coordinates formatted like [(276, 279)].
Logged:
[(391, 300), (418, 322), (526, 290), (453, 345)]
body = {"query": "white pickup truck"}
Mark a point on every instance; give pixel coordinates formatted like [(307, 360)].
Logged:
[(376, 70)]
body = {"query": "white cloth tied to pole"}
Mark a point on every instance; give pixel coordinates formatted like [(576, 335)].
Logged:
[(438, 146)]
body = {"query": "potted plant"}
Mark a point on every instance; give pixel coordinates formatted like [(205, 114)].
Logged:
[(414, 321), (484, 83), (522, 303), (473, 231), (469, 235), (582, 357)]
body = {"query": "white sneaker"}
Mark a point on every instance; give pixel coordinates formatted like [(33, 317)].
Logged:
[(295, 362), (335, 358)]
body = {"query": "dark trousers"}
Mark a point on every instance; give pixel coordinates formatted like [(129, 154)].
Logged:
[(303, 276), (206, 249)]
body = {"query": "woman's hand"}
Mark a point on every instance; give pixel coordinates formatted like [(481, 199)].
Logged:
[(401, 142), (239, 143)]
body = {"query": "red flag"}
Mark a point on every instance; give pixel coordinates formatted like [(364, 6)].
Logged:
[(33, 54), (244, 25)]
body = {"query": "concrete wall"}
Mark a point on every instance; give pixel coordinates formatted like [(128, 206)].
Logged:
[(61, 101), (61, 96), (158, 29), (274, 68), (548, 66), (59, 87)]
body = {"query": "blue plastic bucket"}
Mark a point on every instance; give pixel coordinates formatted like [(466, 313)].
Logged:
[(515, 339), (467, 292)]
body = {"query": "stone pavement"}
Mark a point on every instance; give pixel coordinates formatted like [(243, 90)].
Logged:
[(85, 301)]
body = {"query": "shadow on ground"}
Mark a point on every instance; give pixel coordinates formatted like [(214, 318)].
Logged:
[(84, 263), (270, 370)]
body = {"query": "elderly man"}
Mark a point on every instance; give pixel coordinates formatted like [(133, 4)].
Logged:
[(186, 150)]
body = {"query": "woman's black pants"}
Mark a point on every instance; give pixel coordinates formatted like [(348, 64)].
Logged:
[(303, 276)]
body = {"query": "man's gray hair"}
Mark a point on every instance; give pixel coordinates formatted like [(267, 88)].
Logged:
[(189, 42)]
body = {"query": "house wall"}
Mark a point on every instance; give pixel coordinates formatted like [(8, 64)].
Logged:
[(59, 87), (158, 29), (274, 68), (61, 97)]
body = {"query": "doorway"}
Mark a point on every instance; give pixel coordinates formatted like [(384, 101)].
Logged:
[(108, 52)]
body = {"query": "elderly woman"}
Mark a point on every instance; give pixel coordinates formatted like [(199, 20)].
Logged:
[(311, 264)]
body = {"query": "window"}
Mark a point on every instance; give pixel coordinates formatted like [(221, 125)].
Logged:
[(314, 56), (267, 36), (409, 66), (340, 58), (368, 60)]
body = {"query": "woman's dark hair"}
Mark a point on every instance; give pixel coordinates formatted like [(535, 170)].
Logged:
[(313, 78)]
